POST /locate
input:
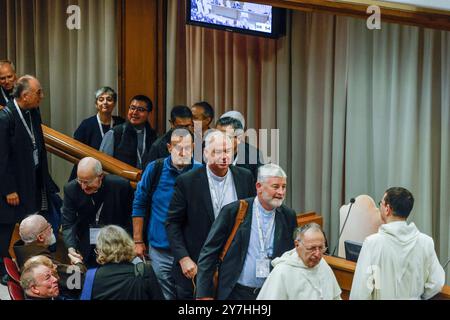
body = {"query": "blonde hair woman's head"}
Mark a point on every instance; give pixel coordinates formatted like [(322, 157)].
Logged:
[(114, 245)]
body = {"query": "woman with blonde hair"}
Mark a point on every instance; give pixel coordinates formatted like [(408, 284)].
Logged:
[(118, 277)]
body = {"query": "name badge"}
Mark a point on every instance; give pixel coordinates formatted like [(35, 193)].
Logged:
[(262, 268), (93, 235), (36, 157)]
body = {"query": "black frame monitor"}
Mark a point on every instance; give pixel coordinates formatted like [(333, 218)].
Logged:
[(237, 16)]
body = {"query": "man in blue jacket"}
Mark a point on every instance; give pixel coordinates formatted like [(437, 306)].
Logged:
[(153, 195)]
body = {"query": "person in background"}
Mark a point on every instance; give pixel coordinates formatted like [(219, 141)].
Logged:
[(39, 282), (8, 79)]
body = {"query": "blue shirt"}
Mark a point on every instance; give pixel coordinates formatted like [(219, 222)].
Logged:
[(248, 275), (160, 201)]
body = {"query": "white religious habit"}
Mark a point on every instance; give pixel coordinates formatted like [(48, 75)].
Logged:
[(398, 262), (291, 279)]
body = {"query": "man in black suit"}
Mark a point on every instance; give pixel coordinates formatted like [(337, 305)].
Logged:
[(8, 79), (91, 201), (198, 198), (265, 233), (26, 185)]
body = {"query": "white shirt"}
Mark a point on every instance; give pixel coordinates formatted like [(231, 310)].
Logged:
[(222, 190), (398, 262)]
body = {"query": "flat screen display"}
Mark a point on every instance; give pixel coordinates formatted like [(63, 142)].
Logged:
[(236, 16)]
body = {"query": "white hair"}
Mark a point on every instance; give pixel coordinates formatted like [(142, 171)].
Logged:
[(214, 135), (299, 232), (91, 163), (235, 115), (30, 227), (270, 170)]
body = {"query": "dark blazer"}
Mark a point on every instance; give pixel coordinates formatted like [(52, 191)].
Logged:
[(118, 281), (89, 133), (159, 147), (3, 102), (191, 214), (17, 172), (78, 211), (233, 263)]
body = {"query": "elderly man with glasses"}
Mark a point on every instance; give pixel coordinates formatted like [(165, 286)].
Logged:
[(301, 273), (131, 141), (92, 200)]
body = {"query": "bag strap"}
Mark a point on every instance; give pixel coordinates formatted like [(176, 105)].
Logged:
[(86, 293), (155, 176), (243, 205)]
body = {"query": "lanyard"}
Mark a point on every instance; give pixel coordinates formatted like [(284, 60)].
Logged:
[(140, 155), (30, 132), (4, 95), (97, 215), (101, 127), (263, 240), (217, 195)]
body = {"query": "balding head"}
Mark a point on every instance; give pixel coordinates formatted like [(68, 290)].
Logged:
[(89, 175), (28, 92), (34, 229)]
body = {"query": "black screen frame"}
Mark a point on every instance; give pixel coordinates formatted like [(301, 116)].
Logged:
[(278, 24)]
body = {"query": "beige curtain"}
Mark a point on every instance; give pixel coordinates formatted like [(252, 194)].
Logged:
[(358, 110), (71, 64)]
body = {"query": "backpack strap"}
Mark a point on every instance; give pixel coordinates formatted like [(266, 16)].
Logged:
[(242, 212), (155, 176), (86, 293)]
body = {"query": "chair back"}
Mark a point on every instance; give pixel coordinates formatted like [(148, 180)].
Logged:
[(15, 291), (11, 269)]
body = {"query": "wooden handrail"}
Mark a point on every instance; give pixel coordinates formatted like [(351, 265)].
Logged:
[(344, 271), (73, 151)]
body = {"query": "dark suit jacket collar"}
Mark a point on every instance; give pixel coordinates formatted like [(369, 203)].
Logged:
[(203, 185)]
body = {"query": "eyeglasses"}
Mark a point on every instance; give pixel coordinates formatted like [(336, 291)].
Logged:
[(88, 183), (314, 249), (46, 228), (136, 108)]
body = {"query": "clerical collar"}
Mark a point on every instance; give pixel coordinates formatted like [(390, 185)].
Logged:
[(216, 178), (262, 210)]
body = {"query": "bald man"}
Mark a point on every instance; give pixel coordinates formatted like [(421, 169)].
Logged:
[(36, 236), (93, 200), (8, 79), (26, 185)]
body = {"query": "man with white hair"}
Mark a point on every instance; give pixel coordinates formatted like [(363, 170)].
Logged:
[(197, 200), (36, 236), (301, 273), (39, 282), (265, 233), (92, 200)]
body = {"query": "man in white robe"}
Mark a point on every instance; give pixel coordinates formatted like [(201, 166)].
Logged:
[(301, 273), (398, 262)]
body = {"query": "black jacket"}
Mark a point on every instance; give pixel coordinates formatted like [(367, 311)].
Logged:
[(233, 263), (249, 158), (118, 281), (126, 143), (191, 213), (78, 211), (89, 133), (17, 172), (3, 102), (159, 148)]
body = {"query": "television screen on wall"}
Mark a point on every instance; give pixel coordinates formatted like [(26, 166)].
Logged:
[(237, 16)]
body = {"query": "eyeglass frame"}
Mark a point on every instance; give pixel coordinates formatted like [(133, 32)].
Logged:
[(311, 250), (138, 109)]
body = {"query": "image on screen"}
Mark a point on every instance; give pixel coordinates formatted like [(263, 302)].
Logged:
[(236, 14)]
